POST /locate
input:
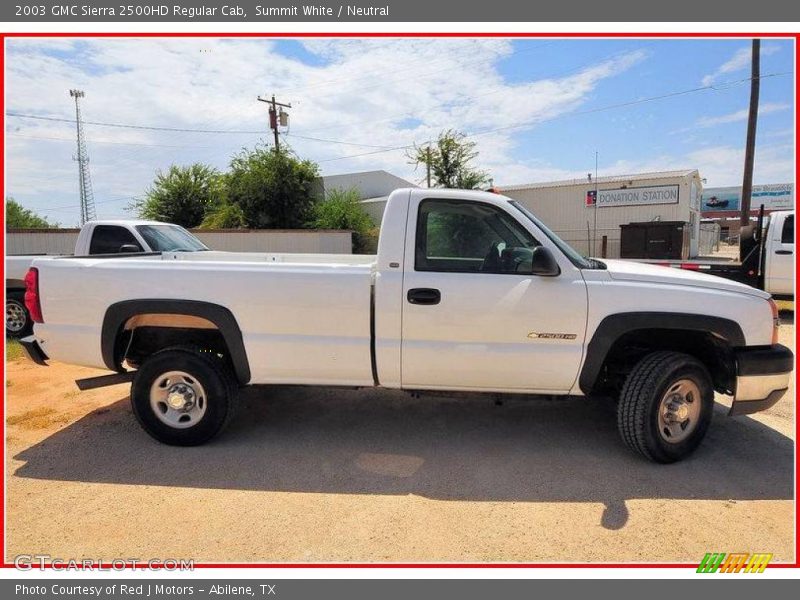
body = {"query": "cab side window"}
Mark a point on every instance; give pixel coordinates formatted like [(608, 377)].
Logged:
[(457, 236), (787, 233), (108, 239)]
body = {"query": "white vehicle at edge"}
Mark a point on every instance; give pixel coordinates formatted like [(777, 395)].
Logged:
[(468, 292)]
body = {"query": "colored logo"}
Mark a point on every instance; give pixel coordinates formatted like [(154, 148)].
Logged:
[(719, 562)]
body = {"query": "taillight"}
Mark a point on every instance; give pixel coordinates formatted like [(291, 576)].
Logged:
[(32, 302), (776, 320)]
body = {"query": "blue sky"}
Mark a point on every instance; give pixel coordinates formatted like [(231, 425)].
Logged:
[(537, 109)]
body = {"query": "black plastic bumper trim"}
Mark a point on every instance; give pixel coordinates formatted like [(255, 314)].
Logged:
[(764, 360)]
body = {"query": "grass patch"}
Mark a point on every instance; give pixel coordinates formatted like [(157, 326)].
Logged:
[(38, 418), (14, 350)]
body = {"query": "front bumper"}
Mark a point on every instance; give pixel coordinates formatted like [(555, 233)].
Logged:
[(34, 351), (762, 378)]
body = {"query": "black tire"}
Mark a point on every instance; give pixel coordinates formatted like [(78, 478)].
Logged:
[(15, 302), (215, 380), (640, 402)]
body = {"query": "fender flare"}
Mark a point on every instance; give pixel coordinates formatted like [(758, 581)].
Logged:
[(612, 327), (117, 314)]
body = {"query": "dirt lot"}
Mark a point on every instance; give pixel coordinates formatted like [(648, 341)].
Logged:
[(338, 475)]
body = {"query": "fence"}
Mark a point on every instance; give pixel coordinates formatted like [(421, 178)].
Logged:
[(305, 241), (709, 238), (590, 242)]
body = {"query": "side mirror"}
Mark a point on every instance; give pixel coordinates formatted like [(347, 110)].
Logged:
[(543, 263), (129, 248)]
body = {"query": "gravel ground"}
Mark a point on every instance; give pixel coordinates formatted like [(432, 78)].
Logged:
[(327, 475)]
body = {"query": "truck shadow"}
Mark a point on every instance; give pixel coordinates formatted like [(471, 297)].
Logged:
[(384, 442)]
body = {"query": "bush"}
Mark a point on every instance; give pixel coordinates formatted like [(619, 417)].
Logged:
[(342, 209), (182, 195), (224, 216), (18, 217)]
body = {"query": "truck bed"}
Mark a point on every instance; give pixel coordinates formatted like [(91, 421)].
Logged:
[(274, 297)]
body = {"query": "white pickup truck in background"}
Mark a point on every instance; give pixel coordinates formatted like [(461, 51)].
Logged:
[(95, 237), (766, 257), (469, 292)]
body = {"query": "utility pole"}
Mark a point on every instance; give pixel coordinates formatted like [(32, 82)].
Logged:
[(276, 118), (596, 199), (750, 145), (84, 177)]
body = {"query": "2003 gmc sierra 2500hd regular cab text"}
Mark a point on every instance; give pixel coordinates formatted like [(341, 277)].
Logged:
[(469, 292)]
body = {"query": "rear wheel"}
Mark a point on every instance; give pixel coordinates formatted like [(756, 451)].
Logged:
[(18, 321), (665, 407), (182, 396)]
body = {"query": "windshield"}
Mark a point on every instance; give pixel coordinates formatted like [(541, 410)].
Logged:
[(572, 254), (170, 238)]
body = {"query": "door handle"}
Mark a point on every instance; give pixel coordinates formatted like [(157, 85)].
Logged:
[(424, 296), (783, 252)]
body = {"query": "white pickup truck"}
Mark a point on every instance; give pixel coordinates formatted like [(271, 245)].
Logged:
[(95, 237), (469, 292)]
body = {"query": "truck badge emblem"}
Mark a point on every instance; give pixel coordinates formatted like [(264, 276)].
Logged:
[(552, 336)]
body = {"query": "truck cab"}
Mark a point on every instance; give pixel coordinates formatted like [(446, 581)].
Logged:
[(116, 236)]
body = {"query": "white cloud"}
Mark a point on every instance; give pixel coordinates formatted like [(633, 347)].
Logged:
[(369, 93), (739, 61), (741, 115)]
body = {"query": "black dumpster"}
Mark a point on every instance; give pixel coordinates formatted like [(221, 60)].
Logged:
[(667, 240)]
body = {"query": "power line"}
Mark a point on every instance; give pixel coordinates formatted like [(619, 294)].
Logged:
[(316, 139), (72, 206), (172, 129), (60, 139), (148, 127), (128, 126), (577, 113), (381, 149)]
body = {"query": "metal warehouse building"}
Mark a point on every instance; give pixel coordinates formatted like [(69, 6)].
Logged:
[(584, 212)]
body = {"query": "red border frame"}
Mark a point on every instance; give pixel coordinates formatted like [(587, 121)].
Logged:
[(733, 35)]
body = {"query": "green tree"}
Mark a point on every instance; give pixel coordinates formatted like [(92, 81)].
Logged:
[(273, 188), (341, 209), (183, 195), (18, 217), (449, 160)]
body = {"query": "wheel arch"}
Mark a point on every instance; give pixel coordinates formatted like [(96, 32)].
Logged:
[(616, 328), (194, 313)]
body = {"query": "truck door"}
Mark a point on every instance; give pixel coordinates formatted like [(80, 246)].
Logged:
[(472, 319), (780, 257)]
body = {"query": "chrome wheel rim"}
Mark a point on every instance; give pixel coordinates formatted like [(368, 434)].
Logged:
[(178, 399), (15, 317), (679, 411)]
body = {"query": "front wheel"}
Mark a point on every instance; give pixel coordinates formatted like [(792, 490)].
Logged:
[(18, 321), (183, 397), (665, 406)]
